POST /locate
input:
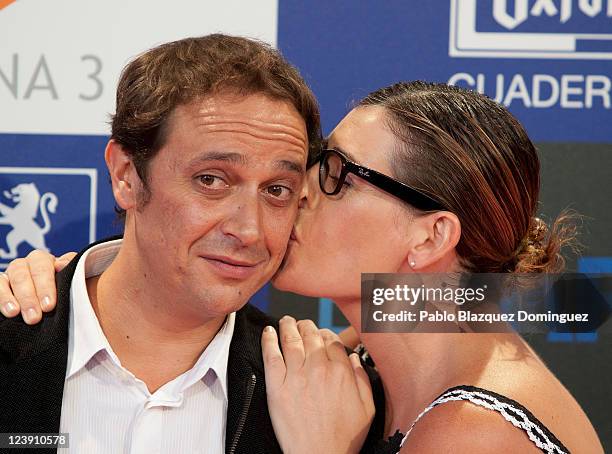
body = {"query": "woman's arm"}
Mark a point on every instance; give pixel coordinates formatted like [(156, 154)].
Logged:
[(28, 285)]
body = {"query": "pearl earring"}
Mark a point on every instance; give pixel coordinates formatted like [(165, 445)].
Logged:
[(412, 263)]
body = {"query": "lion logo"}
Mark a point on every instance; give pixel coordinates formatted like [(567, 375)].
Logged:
[(22, 217)]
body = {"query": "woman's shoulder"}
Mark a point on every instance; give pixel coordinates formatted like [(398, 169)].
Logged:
[(461, 426), (550, 402), (480, 420)]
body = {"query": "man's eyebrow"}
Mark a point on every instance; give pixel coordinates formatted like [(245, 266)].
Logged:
[(240, 159), (291, 166), (225, 156)]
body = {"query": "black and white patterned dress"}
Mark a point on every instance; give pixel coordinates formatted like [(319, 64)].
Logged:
[(512, 411)]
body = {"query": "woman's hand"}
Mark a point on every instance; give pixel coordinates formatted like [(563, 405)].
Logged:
[(28, 285), (349, 337), (320, 399)]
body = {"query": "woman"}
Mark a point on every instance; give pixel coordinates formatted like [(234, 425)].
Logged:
[(427, 178)]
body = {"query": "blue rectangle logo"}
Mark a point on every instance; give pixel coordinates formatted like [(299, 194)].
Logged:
[(44, 207)]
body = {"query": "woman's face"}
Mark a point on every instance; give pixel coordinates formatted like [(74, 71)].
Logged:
[(362, 229)]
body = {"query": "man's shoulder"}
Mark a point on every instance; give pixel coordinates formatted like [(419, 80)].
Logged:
[(255, 318), (19, 341), (32, 370), (246, 340)]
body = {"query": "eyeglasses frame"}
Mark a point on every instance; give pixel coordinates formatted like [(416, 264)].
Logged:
[(384, 182)]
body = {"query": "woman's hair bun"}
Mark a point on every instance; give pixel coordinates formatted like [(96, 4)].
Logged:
[(540, 250)]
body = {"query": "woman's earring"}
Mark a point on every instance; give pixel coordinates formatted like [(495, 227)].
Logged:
[(412, 263)]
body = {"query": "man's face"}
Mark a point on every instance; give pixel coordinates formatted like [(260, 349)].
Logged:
[(223, 199)]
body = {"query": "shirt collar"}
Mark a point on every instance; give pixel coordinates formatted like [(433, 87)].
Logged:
[(215, 357), (86, 337)]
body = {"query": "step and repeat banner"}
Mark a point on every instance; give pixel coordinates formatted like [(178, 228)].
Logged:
[(548, 61)]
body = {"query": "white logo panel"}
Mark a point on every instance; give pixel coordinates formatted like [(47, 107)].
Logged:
[(466, 41), (60, 60)]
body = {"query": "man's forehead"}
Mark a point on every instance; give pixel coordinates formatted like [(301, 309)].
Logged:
[(255, 106), (241, 132), (256, 115)]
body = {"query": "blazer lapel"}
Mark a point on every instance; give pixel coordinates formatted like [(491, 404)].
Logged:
[(33, 367), (249, 428), (33, 361)]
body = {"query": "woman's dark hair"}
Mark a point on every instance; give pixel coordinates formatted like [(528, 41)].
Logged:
[(473, 156)]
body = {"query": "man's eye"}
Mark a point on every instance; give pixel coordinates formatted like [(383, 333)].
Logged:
[(280, 192), (212, 181)]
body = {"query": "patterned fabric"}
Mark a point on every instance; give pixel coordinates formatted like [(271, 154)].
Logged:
[(364, 355), (512, 411)]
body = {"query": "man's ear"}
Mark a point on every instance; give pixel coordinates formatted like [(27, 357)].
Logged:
[(124, 178), (434, 238)]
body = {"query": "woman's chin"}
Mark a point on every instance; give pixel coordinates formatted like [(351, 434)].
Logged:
[(279, 283), (283, 281), (282, 278), (294, 275), (286, 280), (285, 277)]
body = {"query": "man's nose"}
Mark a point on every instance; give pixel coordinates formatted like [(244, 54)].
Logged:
[(245, 223)]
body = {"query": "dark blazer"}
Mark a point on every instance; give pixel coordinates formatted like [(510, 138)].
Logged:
[(33, 362)]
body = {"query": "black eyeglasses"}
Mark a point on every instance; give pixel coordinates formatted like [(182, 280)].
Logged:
[(334, 166)]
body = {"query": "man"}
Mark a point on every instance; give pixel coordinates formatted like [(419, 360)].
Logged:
[(207, 157)]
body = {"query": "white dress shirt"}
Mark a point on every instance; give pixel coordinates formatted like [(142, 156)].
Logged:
[(106, 409)]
